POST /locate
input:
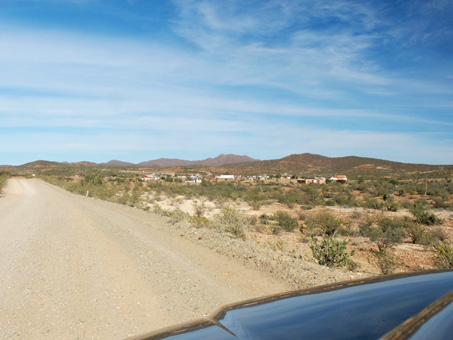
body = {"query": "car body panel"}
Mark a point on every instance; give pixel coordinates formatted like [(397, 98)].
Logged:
[(434, 322), (365, 309)]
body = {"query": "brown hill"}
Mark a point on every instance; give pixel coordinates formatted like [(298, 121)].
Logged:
[(115, 162), (164, 162), (40, 164), (317, 164), (220, 160), (224, 159)]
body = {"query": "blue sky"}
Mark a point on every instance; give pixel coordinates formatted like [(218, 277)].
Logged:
[(143, 79)]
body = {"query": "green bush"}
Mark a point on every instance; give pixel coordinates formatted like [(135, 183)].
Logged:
[(386, 261), (444, 255), (286, 221), (437, 234), (255, 198), (4, 176), (373, 203), (391, 205), (418, 233), (331, 252), (232, 221), (385, 232), (264, 219), (199, 209), (174, 216), (124, 198), (440, 203), (424, 217), (290, 197), (200, 222)]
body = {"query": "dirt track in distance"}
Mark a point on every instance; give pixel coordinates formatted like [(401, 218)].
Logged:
[(73, 267)]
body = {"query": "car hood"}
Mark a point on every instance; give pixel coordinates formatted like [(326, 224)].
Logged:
[(364, 309)]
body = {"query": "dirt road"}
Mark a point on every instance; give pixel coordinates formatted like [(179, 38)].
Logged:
[(73, 267)]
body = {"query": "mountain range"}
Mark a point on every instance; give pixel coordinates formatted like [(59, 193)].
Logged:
[(317, 164), (220, 160), (305, 163)]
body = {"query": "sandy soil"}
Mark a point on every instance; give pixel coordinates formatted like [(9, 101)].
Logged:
[(279, 253), (74, 267)]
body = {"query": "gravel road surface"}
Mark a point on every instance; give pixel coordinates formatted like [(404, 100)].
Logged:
[(73, 267)]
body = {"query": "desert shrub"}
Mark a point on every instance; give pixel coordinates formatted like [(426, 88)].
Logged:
[(252, 220), (421, 203), (135, 195), (364, 187), (410, 188), (424, 217), (264, 219), (437, 235), (310, 196), (255, 198), (421, 234), (385, 260), (331, 252), (440, 203), (323, 223), (417, 232), (276, 229), (199, 209), (176, 216), (277, 245), (356, 215), (345, 199), (290, 197), (406, 204), (200, 222), (384, 187), (124, 198), (373, 203), (94, 179), (301, 214), (444, 255), (232, 221), (385, 232), (286, 221), (4, 176), (106, 191), (391, 205)]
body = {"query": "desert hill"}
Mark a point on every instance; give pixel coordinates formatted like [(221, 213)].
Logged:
[(115, 162), (317, 164), (220, 160), (296, 164)]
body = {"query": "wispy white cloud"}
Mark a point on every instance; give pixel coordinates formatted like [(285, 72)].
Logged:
[(241, 84)]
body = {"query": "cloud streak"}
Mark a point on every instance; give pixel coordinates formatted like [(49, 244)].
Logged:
[(274, 76)]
